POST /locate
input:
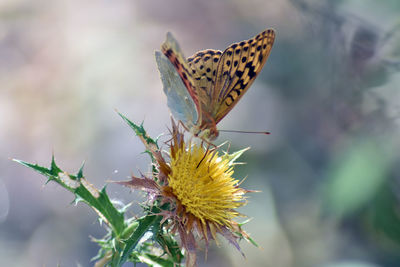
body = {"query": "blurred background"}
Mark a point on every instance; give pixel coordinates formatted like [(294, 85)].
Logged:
[(329, 172)]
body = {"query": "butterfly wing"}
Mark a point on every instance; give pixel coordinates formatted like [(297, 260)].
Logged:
[(179, 100), (237, 69), (203, 66), (211, 82), (173, 52)]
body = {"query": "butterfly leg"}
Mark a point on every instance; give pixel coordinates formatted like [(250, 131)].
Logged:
[(183, 125), (205, 154), (203, 140)]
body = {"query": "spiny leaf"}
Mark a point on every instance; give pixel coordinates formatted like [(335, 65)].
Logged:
[(170, 245), (140, 132), (130, 244), (234, 156), (84, 192), (36, 167), (153, 260)]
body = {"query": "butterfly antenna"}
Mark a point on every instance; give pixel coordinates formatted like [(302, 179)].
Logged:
[(247, 132)]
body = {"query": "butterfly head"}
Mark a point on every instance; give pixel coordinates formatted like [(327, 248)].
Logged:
[(207, 133)]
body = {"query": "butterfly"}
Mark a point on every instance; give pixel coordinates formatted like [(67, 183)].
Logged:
[(202, 89)]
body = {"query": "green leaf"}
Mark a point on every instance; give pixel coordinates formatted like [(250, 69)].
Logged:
[(130, 244), (84, 192), (251, 240), (153, 260), (139, 131), (234, 156), (53, 174), (170, 245)]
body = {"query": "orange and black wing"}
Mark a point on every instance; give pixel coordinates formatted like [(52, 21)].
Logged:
[(238, 67)]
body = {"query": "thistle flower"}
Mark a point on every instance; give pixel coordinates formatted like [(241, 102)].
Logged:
[(200, 194)]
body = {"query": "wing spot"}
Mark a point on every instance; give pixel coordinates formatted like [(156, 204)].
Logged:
[(229, 53), (197, 60), (259, 48), (244, 59), (208, 70), (168, 52), (234, 46), (193, 71), (237, 51), (242, 43), (216, 59), (246, 48), (252, 54), (206, 58), (201, 67), (264, 46), (235, 63), (228, 63), (251, 72), (176, 62), (214, 72), (231, 98)]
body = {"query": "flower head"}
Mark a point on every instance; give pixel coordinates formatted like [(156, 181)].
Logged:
[(201, 193), (203, 185)]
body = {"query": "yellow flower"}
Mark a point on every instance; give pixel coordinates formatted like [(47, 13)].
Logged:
[(202, 183), (201, 193)]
